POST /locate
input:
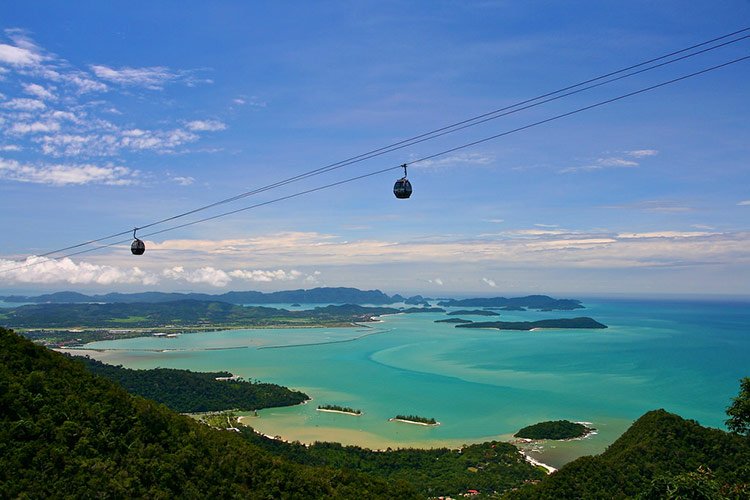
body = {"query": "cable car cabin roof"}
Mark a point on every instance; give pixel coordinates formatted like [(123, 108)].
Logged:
[(402, 188)]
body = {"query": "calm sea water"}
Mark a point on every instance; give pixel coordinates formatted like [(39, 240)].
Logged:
[(686, 357)]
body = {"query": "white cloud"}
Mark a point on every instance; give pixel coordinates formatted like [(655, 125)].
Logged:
[(239, 101), (611, 162), (461, 159), (436, 281), (665, 234), (266, 276), (153, 77), (183, 181), (205, 125), (494, 221), (18, 56), (208, 275), (24, 104), (44, 270), (37, 90), (63, 175), (10, 147), (744, 203), (34, 127), (641, 153), (490, 282)]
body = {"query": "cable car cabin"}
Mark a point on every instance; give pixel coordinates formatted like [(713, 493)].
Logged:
[(137, 247), (402, 188)]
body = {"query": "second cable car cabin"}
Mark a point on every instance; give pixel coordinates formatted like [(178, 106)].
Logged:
[(402, 188)]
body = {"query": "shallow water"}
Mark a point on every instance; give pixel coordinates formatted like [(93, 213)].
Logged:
[(686, 357)]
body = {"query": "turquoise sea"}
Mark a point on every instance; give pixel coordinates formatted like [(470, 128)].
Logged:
[(684, 356)]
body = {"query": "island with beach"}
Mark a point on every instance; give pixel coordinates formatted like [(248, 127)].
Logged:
[(414, 419), (346, 410), (556, 430)]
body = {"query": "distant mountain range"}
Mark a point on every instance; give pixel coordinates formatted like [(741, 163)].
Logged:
[(322, 295)]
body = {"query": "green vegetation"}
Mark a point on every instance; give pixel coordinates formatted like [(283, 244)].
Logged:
[(65, 432), (487, 467), (557, 429), (739, 410), (660, 449), (474, 312), (453, 320), (343, 409), (186, 391), (541, 302), (52, 323), (416, 419), (583, 322)]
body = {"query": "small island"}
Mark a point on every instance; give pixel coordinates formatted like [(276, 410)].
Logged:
[(557, 429), (475, 312), (576, 323), (414, 419), (412, 310), (340, 409), (453, 320)]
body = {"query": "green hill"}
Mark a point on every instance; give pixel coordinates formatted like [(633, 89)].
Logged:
[(659, 447), (67, 433)]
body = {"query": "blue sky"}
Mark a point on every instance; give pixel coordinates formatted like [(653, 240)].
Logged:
[(115, 115)]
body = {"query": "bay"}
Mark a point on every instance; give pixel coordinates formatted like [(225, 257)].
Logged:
[(684, 356)]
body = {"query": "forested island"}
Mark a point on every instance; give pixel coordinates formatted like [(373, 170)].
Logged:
[(414, 419), (540, 302), (340, 409), (187, 391), (64, 429), (453, 320), (555, 429), (474, 312), (576, 323)]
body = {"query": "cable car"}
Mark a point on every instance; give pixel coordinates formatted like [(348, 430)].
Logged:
[(137, 247), (402, 188)]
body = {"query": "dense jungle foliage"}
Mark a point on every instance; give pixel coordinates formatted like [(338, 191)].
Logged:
[(186, 391), (660, 452), (65, 432), (554, 429)]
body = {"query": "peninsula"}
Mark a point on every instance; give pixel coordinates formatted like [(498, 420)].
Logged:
[(475, 312), (561, 323)]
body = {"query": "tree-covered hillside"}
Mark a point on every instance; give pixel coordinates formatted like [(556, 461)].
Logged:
[(659, 447), (67, 433), (187, 391)]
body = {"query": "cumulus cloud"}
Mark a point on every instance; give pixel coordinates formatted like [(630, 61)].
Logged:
[(24, 104), (62, 175), (206, 275), (53, 113), (38, 91), (18, 56), (47, 271)]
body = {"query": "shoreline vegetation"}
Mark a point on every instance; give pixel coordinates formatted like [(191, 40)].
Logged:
[(346, 410), (414, 419)]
